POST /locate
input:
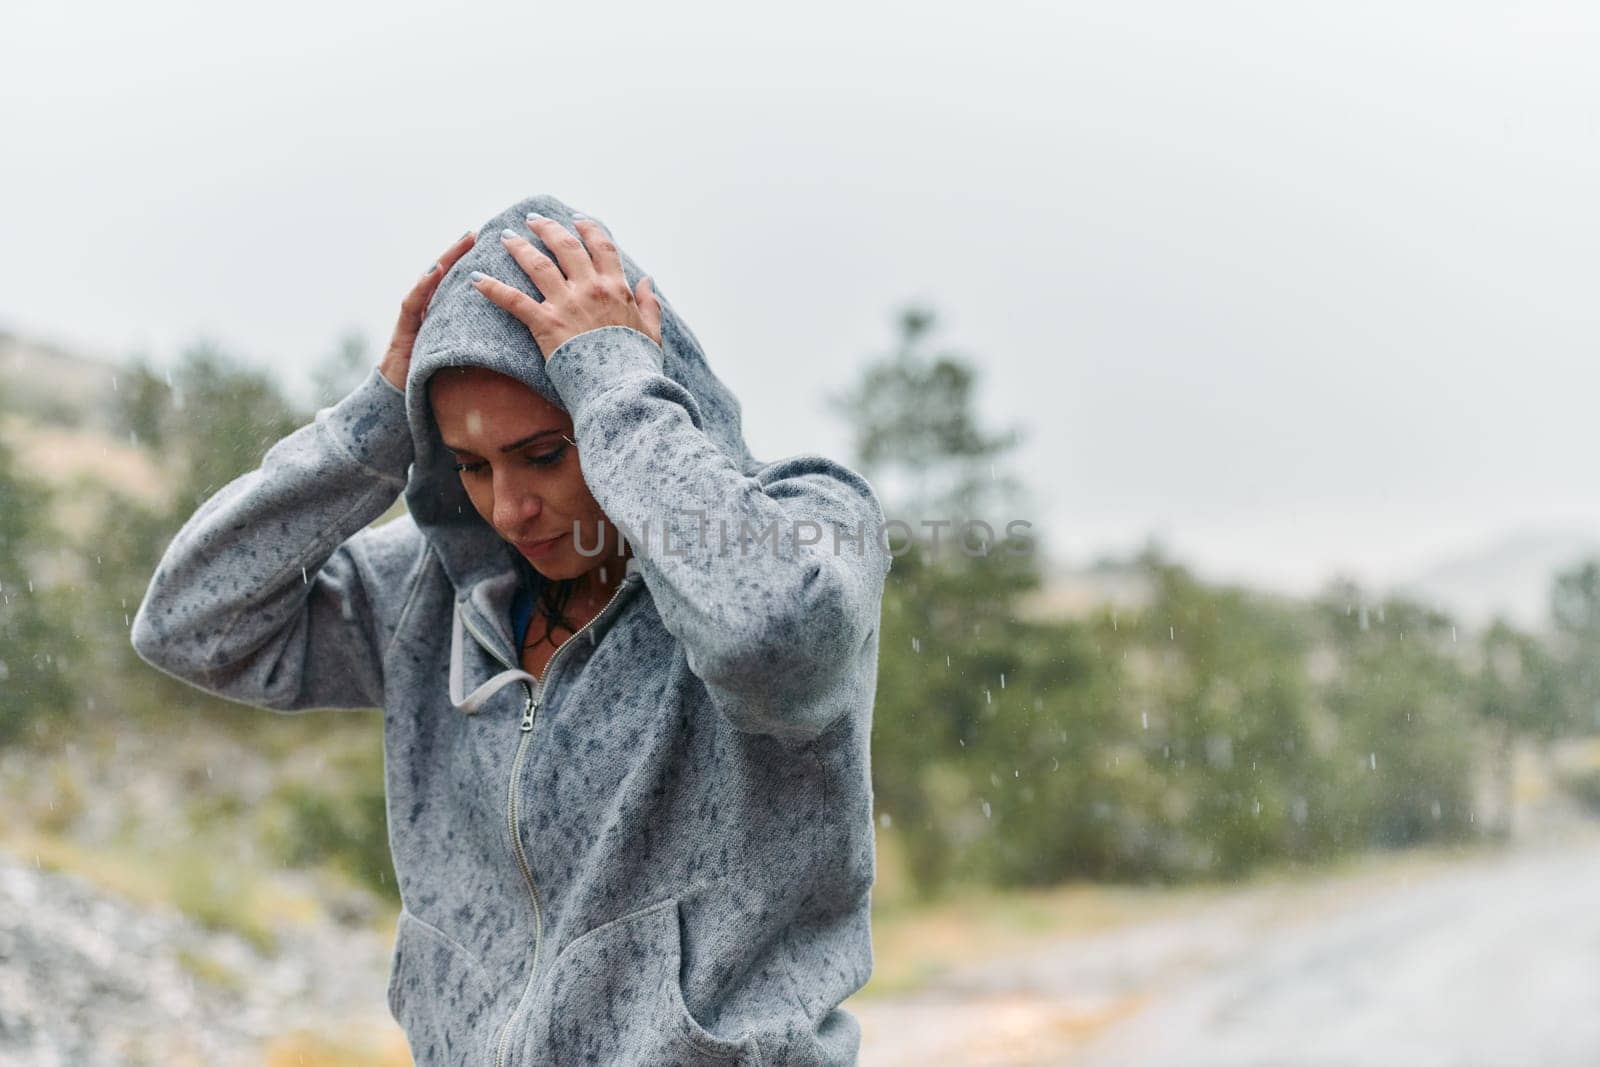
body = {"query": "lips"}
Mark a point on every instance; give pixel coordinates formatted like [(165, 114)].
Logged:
[(538, 547)]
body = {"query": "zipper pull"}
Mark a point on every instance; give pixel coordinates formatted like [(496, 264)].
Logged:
[(527, 711)]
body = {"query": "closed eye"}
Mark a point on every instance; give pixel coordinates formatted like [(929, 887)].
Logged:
[(544, 459)]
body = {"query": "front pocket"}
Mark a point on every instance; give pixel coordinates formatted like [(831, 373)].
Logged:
[(613, 997), (438, 993)]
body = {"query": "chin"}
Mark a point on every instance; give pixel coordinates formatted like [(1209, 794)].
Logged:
[(556, 569), (571, 564), (565, 564)]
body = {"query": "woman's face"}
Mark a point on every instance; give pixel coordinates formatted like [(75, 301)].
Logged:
[(513, 454)]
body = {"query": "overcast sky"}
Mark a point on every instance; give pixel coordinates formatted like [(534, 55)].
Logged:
[(1295, 288)]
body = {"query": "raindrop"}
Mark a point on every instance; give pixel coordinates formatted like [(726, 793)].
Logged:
[(1172, 633), (988, 697), (303, 579), (1372, 761), (884, 820), (986, 809), (1002, 679), (1452, 635), (1144, 719), (916, 644)]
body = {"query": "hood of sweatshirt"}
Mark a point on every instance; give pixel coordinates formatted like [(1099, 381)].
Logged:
[(464, 328)]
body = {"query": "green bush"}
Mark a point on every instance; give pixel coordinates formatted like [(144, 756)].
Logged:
[(340, 818), (1584, 787)]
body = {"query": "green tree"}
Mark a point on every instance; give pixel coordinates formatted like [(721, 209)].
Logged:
[(1401, 747), (209, 421), (34, 681), (141, 405), (1518, 695), (914, 421), (1575, 617), (949, 622)]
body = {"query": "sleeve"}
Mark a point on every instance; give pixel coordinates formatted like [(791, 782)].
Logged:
[(276, 592), (773, 583)]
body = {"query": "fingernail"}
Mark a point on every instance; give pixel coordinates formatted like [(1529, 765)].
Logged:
[(578, 216), (469, 233), (534, 216), (508, 234), (431, 269), (476, 276)]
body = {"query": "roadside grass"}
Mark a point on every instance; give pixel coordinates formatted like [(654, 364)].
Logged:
[(250, 903), (373, 1045)]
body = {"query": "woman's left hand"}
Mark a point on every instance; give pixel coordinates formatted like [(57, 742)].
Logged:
[(584, 289)]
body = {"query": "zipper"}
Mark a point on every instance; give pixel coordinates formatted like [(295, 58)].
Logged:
[(513, 797)]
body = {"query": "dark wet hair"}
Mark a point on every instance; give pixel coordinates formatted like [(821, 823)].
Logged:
[(553, 596)]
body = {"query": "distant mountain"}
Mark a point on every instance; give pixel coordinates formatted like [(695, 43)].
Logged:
[(1510, 577), (56, 413), (49, 384), (1068, 592)]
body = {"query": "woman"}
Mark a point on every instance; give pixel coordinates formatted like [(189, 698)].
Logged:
[(632, 826)]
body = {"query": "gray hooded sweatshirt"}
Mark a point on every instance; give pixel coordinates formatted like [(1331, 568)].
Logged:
[(663, 853)]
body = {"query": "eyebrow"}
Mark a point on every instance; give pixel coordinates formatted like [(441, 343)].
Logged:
[(513, 446), (527, 440)]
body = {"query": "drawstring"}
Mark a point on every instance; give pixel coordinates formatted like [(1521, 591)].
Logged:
[(471, 702)]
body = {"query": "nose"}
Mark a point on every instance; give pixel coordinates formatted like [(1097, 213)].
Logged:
[(515, 508)]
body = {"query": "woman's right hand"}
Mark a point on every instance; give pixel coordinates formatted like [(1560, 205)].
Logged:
[(396, 360)]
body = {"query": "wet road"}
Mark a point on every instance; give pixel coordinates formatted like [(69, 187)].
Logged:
[(1492, 961), (1497, 964)]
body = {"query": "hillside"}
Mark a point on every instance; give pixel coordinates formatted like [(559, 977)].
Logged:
[(1509, 576), (175, 872)]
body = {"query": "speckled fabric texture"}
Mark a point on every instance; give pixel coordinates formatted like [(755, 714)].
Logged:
[(673, 865)]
